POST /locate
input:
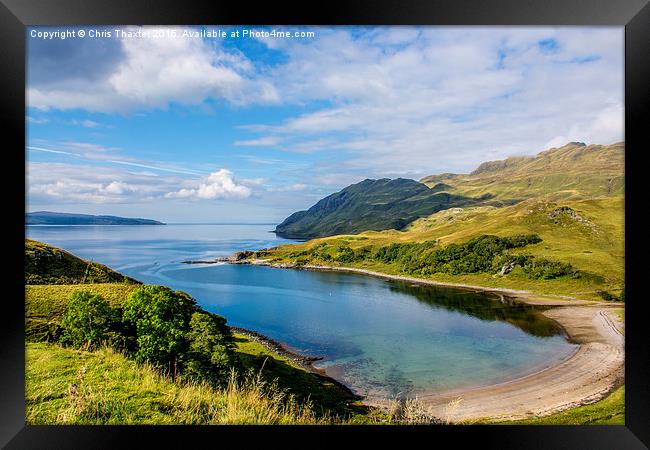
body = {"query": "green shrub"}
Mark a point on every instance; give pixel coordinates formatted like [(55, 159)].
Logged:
[(161, 320), (545, 269), (485, 253), (210, 355), (345, 254), (482, 254), (86, 321), (610, 297)]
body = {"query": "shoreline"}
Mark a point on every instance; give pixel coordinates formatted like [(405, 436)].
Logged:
[(303, 361), (588, 375), (527, 297)]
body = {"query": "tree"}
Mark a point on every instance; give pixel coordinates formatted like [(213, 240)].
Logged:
[(86, 321), (161, 319), (210, 355)]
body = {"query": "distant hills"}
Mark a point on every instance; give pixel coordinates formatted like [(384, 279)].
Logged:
[(372, 205), (573, 172), (56, 218)]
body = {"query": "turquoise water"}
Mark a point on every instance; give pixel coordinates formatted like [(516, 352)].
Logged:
[(381, 338)]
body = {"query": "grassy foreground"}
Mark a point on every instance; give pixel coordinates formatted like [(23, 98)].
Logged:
[(52, 369), (66, 386), (327, 398)]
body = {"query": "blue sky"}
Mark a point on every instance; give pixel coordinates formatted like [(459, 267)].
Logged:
[(199, 129)]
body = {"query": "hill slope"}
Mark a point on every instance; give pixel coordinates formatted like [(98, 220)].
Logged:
[(45, 264), (56, 218), (66, 386), (572, 197), (371, 205), (575, 171)]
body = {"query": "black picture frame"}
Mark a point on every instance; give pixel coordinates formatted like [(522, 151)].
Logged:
[(16, 15)]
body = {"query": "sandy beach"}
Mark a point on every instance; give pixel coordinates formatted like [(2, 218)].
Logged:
[(585, 377), (592, 372)]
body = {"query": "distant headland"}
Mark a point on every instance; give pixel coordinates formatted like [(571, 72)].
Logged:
[(57, 218)]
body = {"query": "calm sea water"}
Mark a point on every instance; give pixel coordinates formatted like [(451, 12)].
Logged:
[(381, 338)]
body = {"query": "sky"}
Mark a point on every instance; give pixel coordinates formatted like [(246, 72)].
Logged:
[(175, 124)]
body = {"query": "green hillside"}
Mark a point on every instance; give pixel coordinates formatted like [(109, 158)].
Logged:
[(571, 197), (372, 205), (573, 172), (45, 264)]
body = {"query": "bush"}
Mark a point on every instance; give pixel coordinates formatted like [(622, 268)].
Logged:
[(161, 320), (545, 269), (485, 253), (210, 354), (610, 297), (482, 254), (345, 254), (86, 321)]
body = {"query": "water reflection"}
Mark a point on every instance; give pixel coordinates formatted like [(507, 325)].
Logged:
[(484, 306)]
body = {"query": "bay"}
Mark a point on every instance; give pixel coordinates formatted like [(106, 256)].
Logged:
[(381, 338)]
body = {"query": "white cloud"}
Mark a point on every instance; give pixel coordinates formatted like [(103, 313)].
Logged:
[(154, 72), (60, 183), (433, 99), (254, 181), (598, 128), (118, 188), (95, 152), (86, 123), (387, 100), (218, 185)]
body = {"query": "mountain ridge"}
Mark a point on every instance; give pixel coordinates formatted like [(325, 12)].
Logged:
[(377, 204), (575, 171)]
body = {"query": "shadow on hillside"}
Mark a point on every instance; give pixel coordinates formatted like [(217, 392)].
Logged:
[(324, 393)]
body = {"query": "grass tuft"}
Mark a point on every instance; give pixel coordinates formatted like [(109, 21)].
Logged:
[(66, 386)]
